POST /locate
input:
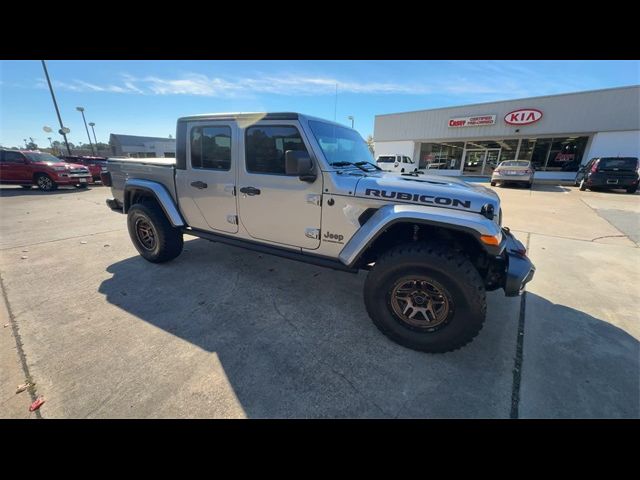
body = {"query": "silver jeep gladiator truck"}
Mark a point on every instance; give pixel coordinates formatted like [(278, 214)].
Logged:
[(308, 189)]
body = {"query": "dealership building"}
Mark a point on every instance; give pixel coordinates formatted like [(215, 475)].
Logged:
[(556, 133)]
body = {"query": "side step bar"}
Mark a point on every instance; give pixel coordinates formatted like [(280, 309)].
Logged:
[(268, 249)]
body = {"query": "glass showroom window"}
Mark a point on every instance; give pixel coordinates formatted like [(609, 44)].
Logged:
[(526, 149), (509, 149), (441, 156), (566, 154), (540, 153)]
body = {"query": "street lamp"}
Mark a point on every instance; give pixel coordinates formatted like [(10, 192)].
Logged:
[(81, 110), (92, 124), (63, 131), (350, 117)]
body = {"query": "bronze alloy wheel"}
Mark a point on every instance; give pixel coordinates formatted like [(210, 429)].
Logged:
[(421, 302), (146, 234)]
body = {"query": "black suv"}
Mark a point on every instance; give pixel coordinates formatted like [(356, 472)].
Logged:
[(609, 172)]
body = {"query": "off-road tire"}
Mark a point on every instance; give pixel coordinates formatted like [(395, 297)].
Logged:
[(633, 189), (493, 184), (450, 270), (168, 239), (582, 185), (45, 183)]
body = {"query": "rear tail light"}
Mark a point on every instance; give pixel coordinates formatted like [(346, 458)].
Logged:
[(594, 167), (528, 171)]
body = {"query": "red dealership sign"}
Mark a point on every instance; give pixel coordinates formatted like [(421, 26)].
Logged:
[(523, 116), (472, 121)]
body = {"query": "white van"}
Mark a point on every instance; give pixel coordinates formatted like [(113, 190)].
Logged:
[(396, 163)]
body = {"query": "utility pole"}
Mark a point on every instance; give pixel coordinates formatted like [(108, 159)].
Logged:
[(62, 130), (81, 110)]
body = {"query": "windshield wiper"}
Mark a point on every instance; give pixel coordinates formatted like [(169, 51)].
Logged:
[(359, 165)]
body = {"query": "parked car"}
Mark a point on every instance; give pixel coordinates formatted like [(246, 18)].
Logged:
[(396, 163), (513, 171), (96, 165), (433, 248), (28, 167), (609, 172)]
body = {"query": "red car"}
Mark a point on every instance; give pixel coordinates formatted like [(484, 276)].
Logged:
[(28, 167), (96, 165)]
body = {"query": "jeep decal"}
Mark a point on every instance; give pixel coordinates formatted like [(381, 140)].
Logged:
[(416, 197), (333, 237)]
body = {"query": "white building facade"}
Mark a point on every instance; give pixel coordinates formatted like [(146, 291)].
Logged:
[(557, 133)]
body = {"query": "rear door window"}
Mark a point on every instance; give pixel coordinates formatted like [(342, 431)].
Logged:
[(211, 148)]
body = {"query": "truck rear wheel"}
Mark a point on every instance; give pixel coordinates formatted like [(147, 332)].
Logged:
[(426, 297), (152, 234)]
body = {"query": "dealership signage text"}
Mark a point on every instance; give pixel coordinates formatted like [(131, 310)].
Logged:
[(472, 121), (524, 116)]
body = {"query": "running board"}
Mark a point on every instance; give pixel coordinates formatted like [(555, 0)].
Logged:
[(319, 260)]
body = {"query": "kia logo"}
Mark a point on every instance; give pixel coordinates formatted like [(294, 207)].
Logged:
[(524, 116)]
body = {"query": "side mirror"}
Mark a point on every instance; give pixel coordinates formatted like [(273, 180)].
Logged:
[(300, 164)]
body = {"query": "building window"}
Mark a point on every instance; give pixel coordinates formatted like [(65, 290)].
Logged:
[(211, 148), (508, 151), (566, 154), (526, 149), (265, 148), (169, 154), (540, 153), (441, 156), (150, 155)]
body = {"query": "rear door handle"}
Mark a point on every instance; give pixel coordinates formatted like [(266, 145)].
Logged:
[(199, 185), (250, 191)]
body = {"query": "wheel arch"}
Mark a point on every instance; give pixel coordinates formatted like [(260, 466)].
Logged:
[(394, 224), (136, 190)]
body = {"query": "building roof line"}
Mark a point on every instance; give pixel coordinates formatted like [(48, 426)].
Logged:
[(511, 100)]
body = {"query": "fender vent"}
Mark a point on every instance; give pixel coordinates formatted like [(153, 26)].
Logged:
[(366, 215)]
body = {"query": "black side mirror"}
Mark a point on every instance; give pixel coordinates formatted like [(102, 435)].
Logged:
[(300, 164)]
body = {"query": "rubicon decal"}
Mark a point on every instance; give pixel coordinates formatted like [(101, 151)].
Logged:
[(416, 197), (523, 116)]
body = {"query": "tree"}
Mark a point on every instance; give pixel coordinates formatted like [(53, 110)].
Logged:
[(371, 144), (32, 146)]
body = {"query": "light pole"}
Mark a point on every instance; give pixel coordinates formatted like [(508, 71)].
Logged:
[(92, 124), (81, 110), (350, 117), (63, 131)]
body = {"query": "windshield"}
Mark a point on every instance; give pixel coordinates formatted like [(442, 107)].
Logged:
[(41, 157), (628, 163), (340, 144), (514, 164), (387, 159)]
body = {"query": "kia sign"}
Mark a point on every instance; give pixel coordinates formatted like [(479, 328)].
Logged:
[(524, 116), (472, 121)]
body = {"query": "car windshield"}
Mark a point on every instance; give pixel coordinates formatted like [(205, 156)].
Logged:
[(626, 163), (514, 163), (41, 157), (387, 159), (340, 144)]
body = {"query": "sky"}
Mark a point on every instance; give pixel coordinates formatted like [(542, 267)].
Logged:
[(146, 97)]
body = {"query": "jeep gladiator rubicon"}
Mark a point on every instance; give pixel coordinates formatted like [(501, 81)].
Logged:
[(308, 189)]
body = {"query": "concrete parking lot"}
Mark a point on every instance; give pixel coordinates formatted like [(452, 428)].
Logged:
[(227, 333)]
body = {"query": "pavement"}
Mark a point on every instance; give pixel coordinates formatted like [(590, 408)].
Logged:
[(222, 332)]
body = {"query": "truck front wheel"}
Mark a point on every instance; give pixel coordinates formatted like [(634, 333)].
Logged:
[(152, 234), (426, 297)]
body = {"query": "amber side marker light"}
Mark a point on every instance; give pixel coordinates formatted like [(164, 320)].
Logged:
[(490, 239)]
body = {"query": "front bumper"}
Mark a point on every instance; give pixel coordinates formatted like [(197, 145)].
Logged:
[(519, 269), (73, 179)]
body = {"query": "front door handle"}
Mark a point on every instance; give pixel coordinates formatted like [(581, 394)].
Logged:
[(250, 191), (199, 185)]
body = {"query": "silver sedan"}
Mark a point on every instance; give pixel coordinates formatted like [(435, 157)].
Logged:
[(513, 171)]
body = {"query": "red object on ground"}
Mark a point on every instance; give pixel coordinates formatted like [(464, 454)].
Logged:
[(37, 404)]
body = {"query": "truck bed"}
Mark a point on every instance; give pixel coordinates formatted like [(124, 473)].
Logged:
[(160, 170)]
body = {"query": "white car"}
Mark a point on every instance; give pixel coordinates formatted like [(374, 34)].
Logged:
[(396, 164)]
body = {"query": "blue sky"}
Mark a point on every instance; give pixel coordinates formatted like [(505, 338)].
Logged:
[(146, 97)]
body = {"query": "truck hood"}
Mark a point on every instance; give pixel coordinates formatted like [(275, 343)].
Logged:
[(69, 166), (430, 190)]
